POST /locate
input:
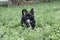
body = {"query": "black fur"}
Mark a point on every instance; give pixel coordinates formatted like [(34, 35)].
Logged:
[(28, 15)]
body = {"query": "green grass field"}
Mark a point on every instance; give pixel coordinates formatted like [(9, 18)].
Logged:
[(47, 16)]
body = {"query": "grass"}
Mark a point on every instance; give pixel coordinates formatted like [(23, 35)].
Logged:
[(47, 16)]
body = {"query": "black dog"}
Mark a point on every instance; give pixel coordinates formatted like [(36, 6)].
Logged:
[(28, 18)]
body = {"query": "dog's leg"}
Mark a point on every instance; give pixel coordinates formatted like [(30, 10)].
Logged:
[(33, 24)]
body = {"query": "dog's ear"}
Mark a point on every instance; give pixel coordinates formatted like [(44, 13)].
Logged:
[(24, 12), (32, 11)]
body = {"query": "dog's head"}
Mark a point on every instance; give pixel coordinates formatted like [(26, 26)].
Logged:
[(25, 12), (28, 15)]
